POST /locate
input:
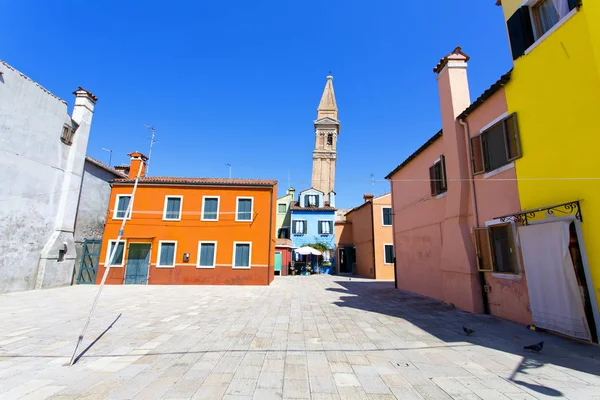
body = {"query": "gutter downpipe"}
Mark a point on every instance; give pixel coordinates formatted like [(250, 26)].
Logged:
[(465, 125)]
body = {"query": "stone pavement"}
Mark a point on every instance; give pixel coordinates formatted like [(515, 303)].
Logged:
[(316, 337)]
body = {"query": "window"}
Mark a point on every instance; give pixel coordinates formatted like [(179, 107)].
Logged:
[(166, 253), (242, 254), (325, 227), (496, 250), (207, 254), (311, 200), (299, 227), (210, 208), (496, 146), (281, 208), (122, 203), (244, 209), (172, 210), (284, 233), (117, 260), (386, 216), (437, 177), (388, 253), (330, 139), (67, 135), (536, 18)]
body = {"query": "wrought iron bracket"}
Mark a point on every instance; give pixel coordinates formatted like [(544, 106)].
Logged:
[(524, 217)]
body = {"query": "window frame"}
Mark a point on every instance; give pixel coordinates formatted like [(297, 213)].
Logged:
[(116, 209), (167, 197), (320, 227), (67, 134), (203, 204), (237, 206), (160, 243), (535, 18), (304, 227), (249, 256), (282, 204), (307, 201), (384, 253), (513, 241), (107, 256), (438, 186), (200, 243), (287, 229), (504, 119), (383, 216)]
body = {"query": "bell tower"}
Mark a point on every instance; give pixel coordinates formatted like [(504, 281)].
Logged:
[(327, 129)]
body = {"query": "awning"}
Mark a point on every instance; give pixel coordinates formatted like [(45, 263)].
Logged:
[(307, 250), (524, 217)]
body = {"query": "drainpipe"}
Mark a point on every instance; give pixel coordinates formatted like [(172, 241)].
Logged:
[(271, 239), (465, 125), (373, 238)]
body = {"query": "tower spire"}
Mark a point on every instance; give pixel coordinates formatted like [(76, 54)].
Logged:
[(327, 106)]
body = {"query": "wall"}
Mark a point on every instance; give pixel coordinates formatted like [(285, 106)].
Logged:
[(283, 220), (362, 234), (556, 91), (146, 225), (312, 218), (286, 258), (498, 195), (40, 178), (382, 235), (93, 203)]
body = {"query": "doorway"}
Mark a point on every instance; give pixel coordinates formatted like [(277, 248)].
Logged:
[(278, 262), (343, 262), (138, 262)]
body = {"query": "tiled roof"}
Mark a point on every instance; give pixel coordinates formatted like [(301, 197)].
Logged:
[(416, 153), (343, 223), (457, 54), (295, 206), (283, 242), (199, 181), (500, 83), (105, 167)]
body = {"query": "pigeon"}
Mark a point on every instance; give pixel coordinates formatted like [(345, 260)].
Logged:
[(535, 347), (468, 331)]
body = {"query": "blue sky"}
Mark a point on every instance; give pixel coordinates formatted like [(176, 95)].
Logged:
[(239, 82)]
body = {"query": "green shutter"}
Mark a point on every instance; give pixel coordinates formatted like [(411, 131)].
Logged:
[(574, 4), (520, 31)]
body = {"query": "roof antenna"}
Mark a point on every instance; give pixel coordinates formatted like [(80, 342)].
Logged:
[(152, 141), (373, 179)]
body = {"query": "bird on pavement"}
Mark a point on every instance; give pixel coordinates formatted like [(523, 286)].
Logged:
[(535, 347), (468, 331)]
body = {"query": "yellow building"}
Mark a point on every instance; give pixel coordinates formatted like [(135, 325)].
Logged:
[(555, 90)]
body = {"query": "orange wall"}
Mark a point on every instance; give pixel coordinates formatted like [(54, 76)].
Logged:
[(383, 235), (362, 235), (146, 225)]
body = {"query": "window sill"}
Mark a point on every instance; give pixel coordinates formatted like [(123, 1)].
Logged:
[(388, 263), (552, 30), (209, 220), (205, 267), (165, 266), (512, 277), (439, 196), (243, 220), (172, 219), (499, 170), (241, 267), (113, 266)]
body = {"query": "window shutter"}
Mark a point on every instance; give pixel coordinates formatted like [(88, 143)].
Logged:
[(304, 227), (483, 250), (432, 180), (574, 4), (520, 31), (477, 155), (511, 131), (443, 185), (320, 227)]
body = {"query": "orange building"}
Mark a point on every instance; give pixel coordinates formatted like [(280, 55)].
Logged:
[(190, 230)]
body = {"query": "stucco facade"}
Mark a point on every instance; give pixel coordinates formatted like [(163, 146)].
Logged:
[(41, 166), (284, 214)]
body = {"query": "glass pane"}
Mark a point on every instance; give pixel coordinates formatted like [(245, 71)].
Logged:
[(118, 257), (242, 255), (282, 208), (122, 205), (546, 16), (387, 216), (167, 254), (244, 209), (210, 208), (207, 254), (512, 138), (503, 249), (173, 205), (495, 147), (389, 254)]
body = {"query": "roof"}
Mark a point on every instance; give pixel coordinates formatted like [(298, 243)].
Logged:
[(368, 202), (456, 55), (283, 242), (31, 80), (105, 167), (312, 188), (500, 83), (171, 180), (294, 206), (343, 223), (416, 153), (328, 102)]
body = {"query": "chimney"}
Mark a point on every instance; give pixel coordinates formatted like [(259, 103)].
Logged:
[(291, 191), (84, 106), (368, 197), (138, 160)]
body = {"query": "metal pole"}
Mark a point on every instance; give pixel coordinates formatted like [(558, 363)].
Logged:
[(110, 155), (229, 165), (107, 267), (152, 141)]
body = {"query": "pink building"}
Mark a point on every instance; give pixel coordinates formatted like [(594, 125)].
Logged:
[(454, 188)]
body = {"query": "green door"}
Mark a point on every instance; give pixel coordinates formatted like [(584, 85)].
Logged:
[(138, 261), (278, 262)]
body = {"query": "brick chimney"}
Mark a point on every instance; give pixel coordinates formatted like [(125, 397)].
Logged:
[(138, 160), (368, 197)]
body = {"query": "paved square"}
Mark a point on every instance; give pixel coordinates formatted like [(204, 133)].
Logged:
[(316, 337)]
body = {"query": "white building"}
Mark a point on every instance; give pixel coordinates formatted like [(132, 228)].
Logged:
[(42, 154)]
